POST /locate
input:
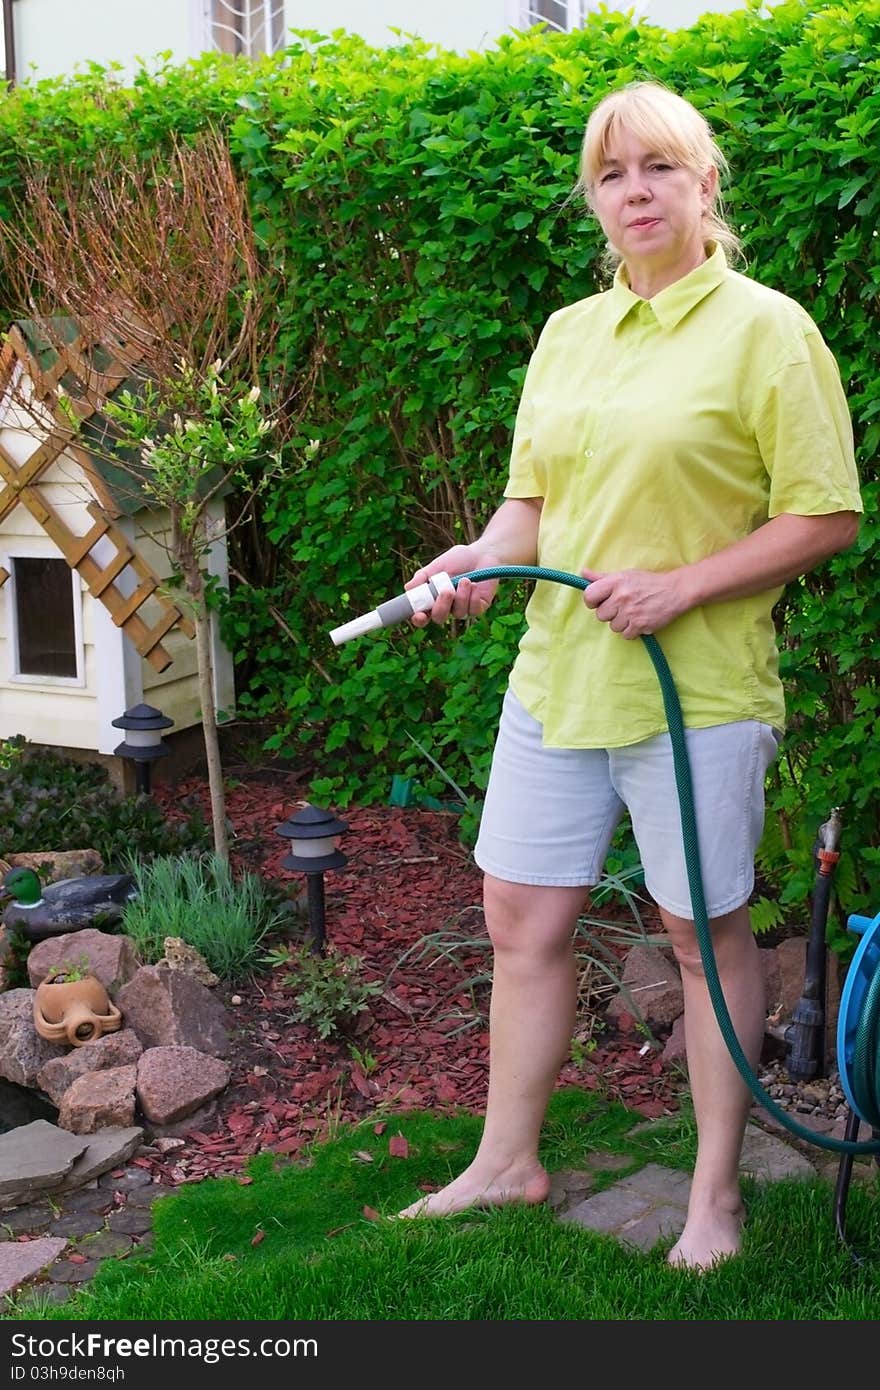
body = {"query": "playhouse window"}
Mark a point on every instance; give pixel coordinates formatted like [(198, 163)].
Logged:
[(44, 618)]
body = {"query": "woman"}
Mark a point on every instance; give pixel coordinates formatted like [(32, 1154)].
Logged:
[(686, 437)]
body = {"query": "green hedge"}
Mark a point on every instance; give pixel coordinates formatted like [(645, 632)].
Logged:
[(419, 206)]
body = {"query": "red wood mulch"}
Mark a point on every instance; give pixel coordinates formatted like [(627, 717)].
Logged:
[(407, 877)]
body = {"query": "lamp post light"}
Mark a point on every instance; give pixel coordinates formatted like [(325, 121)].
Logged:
[(143, 743), (313, 851)]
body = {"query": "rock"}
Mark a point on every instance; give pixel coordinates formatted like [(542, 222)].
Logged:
[(167, 1146), (675, 1049), (201, 1119), (22, 1051), (111, 958), (33, 1158), (167, 1008), (651, 985), (791, 957), (55, 864), (172, 1082), (181, 956), (99, 1098), (772, 979), (114, 1050), (106, 1149), (20, 1262)]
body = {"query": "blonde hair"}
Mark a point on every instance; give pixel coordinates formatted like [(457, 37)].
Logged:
[(668, 125)]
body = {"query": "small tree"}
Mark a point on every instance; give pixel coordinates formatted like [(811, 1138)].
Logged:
[(162, 253)]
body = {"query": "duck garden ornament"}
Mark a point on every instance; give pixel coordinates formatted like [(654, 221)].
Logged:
[(92, 900)]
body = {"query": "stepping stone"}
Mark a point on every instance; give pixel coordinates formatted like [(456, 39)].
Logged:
[(32, 1220), (35, 1157), (652, 1204), (78, 1223), (108, 1148), (133, 1223), (104, 1245), (63, 1272), (768, 1159), (21, 1260)]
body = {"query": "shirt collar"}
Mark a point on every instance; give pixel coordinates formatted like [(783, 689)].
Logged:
[(671, 304)]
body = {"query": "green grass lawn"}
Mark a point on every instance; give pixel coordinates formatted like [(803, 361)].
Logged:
[(293, 1243)]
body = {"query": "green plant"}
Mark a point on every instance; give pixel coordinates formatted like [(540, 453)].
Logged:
[(364, 1059), (201, 900), (48, 800), (581, 1049), (69, 971), (13, 961), (331, 990)]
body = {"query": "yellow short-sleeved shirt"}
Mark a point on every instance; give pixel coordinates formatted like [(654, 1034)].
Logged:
[(658, 432)]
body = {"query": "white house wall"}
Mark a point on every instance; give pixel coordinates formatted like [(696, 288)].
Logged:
[(52, 713), (53, 37), (175, 690)]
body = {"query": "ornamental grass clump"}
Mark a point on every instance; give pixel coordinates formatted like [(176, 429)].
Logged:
[(200, 900)]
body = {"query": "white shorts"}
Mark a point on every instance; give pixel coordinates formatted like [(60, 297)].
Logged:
[(549, 814)]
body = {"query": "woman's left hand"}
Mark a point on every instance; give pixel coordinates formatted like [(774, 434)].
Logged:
[(635, 602)]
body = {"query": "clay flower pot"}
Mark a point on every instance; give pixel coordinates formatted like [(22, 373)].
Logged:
[(74, 1011)]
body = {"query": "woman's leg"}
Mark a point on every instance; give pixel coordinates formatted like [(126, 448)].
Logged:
[(531, 1022), (720, 1096)]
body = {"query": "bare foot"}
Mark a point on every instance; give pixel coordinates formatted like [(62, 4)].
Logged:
[(478, 1189), (708, 1239)]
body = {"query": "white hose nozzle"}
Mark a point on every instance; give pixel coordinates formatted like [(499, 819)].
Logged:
[(396, 610)]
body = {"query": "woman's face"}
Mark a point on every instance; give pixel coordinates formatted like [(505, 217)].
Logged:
[(651, 211)]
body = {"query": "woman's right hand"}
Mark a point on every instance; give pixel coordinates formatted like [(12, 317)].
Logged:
[(469, 600)]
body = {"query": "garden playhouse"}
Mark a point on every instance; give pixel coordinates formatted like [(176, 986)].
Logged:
[(88, 627)]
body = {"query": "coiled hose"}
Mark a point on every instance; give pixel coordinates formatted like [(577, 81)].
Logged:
[(865, 1072)]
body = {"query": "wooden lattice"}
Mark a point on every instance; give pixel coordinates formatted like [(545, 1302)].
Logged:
[(74, 361)]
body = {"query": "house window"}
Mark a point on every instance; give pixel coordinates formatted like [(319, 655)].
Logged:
[(46, 629), (562, 15), (250, 27), (556, 14)]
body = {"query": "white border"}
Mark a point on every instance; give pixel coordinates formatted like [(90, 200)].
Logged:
[(15, 677)]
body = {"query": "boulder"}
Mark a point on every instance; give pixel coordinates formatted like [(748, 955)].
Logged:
[(675, 1049), (21, 1262), (99, 1098), (181, 956), (23, 1053), (111, 958), (34, 1158), (113, 1050), (52, 865), (651, 988), (167, 1008), (173, 1082), (791, 957)]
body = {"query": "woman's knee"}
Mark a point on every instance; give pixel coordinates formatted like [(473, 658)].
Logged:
[(732, 940), (529, 919)]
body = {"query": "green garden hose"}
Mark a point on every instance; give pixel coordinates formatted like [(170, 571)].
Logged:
[(866, 1055)]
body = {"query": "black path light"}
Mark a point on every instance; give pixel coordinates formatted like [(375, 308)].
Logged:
[(143, 725), (313, 851)]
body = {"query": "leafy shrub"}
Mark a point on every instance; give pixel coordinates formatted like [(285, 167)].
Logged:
[(200, 900), (49, 802), (331, 990)]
